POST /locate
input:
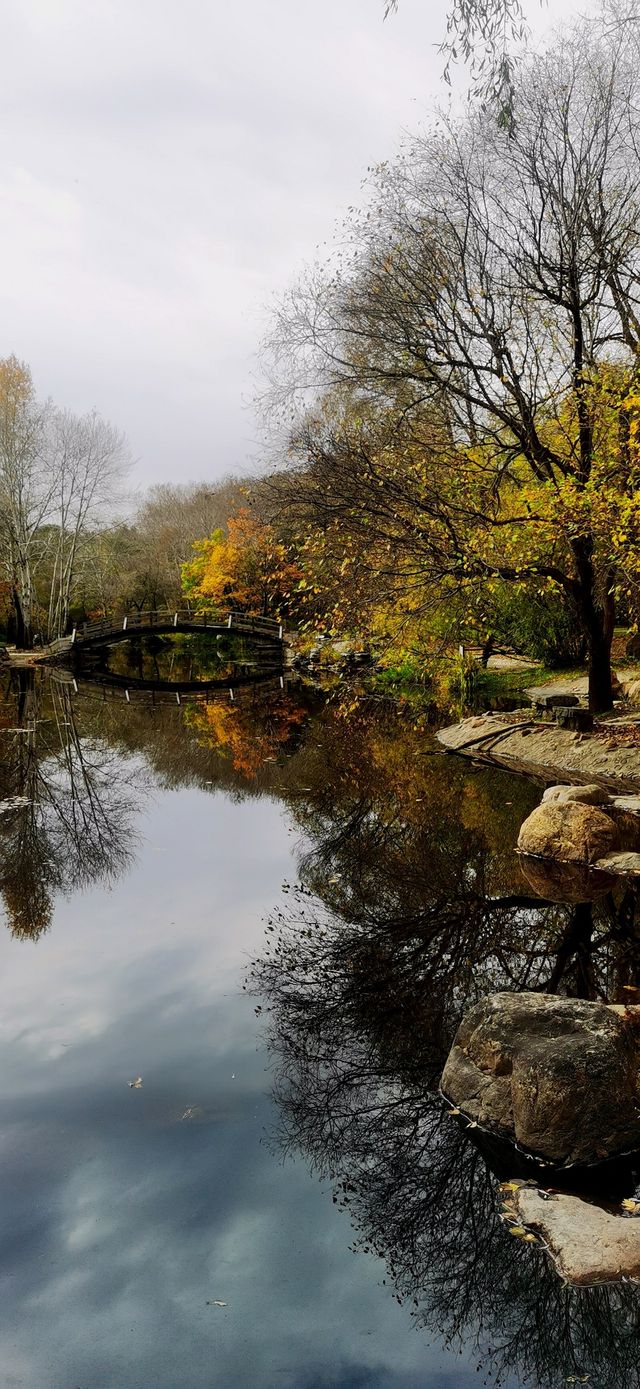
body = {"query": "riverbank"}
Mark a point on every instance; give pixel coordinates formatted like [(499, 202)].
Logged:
[(520, 741)]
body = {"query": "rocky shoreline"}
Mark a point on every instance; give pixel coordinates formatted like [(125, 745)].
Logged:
[(522, 742)]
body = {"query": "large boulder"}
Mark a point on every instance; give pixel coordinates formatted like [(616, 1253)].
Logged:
[(569, 831), (560, 1077)]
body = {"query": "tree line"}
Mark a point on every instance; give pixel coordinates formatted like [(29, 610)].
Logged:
[(456, 392), (74, 544)]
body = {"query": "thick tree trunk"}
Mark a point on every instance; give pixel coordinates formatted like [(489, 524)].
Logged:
[(23, 630), (598, 620), (600, 681), (487, 650)]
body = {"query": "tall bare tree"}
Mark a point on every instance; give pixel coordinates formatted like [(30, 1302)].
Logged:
[(88, 461), (57, 474)]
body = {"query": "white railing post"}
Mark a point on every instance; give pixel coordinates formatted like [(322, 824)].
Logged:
[(230, 617), (124, 624), (175, 619), (73, 636)]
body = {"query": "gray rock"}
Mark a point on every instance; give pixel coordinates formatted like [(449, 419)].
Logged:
[(560, 1077), (570, 832), (631, 690), (581, 720), (587, 1244), (630, 804), (626, 863), (558, 701), (586, 795)]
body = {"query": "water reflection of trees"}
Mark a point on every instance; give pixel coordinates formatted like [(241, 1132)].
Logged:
[(69, 804), (361, 1015), (75, 764), (412, 907)]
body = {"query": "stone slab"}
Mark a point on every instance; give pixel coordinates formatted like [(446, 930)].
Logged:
[(621, 863), (587, 1243)]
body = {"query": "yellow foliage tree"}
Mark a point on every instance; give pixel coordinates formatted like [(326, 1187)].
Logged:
[(247, 569)]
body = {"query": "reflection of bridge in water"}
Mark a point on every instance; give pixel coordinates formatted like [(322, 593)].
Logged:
[(244, 690)]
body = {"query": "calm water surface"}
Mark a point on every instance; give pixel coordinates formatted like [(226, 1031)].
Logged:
[(280, 1202)]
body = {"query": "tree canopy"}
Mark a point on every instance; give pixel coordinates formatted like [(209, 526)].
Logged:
[(465, 380)]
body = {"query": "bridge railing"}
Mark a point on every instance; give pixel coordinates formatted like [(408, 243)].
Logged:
[(245, 622), (159, 617)]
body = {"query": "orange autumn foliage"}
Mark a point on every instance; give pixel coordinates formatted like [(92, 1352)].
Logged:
[(247, 569), (247, 737)]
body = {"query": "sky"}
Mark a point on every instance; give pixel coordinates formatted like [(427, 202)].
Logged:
[(166, 171)]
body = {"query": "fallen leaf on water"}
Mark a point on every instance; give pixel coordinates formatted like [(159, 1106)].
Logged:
[(517, 1230), (631, 1206), (216, 1303), (453, 1111), (510, 1186), (136, 1084)]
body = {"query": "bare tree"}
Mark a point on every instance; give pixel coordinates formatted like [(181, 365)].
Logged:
[(88, 461), (57, 474)]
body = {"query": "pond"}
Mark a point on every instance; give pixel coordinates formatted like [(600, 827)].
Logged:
[(239, 933)]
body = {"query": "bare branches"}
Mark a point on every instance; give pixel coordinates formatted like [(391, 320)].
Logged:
[(482, 33), (57, 475)]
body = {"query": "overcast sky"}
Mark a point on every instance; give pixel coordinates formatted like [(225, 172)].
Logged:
[(165, 170)]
